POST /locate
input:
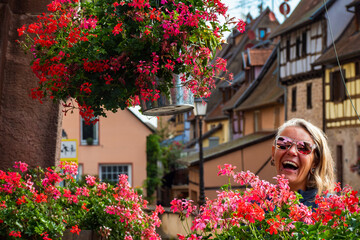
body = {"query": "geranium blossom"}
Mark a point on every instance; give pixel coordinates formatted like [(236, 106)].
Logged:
[(118, 40), (269, 211), (30, 199)]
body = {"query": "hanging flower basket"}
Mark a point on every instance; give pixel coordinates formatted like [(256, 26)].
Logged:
[(179, 100), (107, 54)]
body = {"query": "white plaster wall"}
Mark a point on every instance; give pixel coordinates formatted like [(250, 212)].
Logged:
[(336, 12)]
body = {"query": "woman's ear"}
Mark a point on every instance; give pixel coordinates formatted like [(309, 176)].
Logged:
[(272, 151)]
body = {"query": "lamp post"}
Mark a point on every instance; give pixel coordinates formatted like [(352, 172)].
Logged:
[(200, 112)]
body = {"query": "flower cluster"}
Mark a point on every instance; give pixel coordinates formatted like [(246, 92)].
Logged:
[(42, 204), (271, 211), (108, 54)]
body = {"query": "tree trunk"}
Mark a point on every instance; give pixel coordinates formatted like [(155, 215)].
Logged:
[(29, 131)]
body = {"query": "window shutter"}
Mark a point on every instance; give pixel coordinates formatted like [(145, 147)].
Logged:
[(342, 88)]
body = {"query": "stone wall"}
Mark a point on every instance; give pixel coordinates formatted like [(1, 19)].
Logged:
[(28, 130), (349, 139), (314, 114)]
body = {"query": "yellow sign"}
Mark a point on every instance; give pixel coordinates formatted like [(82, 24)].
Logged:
[(69, 150)]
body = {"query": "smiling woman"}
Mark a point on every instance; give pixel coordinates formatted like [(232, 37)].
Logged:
[(301, 153)]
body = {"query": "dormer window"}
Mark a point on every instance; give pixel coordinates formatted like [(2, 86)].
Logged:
[(354, 7), (262, 33), (357, 16)]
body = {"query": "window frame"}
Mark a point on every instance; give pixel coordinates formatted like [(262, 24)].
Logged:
[(265, 32), (129, 170), (83, 142)]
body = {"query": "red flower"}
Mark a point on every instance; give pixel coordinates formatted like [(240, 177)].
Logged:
[(15, 234), (117, 29), (75, 229)]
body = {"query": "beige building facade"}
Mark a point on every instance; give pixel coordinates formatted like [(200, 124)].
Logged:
[(118, 146)]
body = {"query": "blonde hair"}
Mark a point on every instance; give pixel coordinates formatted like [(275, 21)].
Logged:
[(323, 177)]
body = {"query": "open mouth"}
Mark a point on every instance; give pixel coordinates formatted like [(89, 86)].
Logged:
[(290, 165)]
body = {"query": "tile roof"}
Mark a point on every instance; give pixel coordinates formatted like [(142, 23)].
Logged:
[(216, 113), (228, 147), (234, 100), (305, 12), (347, 46), (258, 57), (266, 92)]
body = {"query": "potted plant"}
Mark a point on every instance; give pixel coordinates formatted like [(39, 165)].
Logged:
[(89, 141), (109, 54)]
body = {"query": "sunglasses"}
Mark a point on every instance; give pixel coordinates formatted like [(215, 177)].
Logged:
[(285, 143)]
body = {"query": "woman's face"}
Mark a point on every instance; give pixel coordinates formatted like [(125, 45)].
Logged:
[(289, 162)]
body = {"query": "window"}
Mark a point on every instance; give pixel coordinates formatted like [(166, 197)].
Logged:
[(293, 99), (257, 121), (357, 68), (213, 141), (237, 122), (288, 50), (304, 43), (180, 118), (339, 164), (308, 95), (262, 33), (337, 88), (89, 133), (277, 117), (298, 47), (111, 172)]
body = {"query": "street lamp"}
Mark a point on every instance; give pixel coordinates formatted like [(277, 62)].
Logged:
[(200, 112)]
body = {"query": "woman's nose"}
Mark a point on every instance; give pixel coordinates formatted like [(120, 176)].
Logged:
[(292, 150)]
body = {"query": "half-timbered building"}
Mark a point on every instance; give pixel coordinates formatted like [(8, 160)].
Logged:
[(342, 99), (303, 38)]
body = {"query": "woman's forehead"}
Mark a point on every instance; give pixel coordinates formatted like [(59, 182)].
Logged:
[(296, 133)]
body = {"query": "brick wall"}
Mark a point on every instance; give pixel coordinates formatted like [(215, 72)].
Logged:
[(349, 139), (314, 114)]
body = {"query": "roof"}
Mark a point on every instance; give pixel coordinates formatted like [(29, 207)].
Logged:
[(305, 12), (265, 93), (258, 57), (347, 46), (234, 100), (228, 147), (147, 125), (204, 136), (216, 113)]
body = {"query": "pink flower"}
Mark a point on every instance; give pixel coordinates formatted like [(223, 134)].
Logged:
[(90, 180), (22, 166), (240, 26)]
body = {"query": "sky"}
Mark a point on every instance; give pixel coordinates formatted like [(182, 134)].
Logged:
[(238, 9)]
